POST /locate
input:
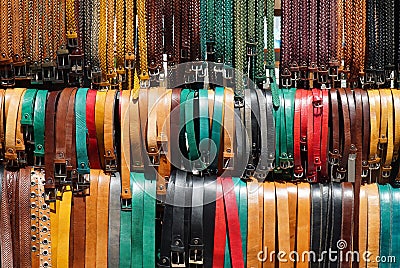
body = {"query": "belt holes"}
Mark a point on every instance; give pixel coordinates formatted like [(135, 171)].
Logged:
[(44, 230), (45, 253), (33, 205), (34, 248), (33, 217), (33, 238), (44, 206), (44, 218), (45, 241), (45, 264), (33, 228)]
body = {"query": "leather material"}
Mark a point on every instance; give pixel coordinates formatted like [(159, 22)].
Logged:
[(81, 132), (229, 130), (99, 121), (125, 150), (385, 202), (373, 221), (220, 229), (283, 221), (109, 138), (316, 220), (24, 231), (336, 218), (91, 219), (39, 124), (216, 128), (64, 228), (254, 240), (395, 237), (114, 221), (303, 220), (78, 232), (347, 220), (7, 257), (269, 222), (93, 149), (363, 225), (102, 220), (209, 215)]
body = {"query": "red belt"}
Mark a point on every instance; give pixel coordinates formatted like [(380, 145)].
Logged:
[(93, 150)]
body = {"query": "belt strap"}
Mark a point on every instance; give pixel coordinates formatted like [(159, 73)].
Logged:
[(114, 221), (196, 240), (374, 106), (335, 217), (102, 219), (347, 220), (175, 127), (7, 255), (216, 127), (109, 143), (346, 136), (282, 203), (254, 240), (269, 222), (70, 133), (220, 228), (125, 242), (316, 220), (209, 216), (93, 148), (229, 129), (335, 152), (99, 121), (325, 135), (64, 228), (78, 231), (388, 149), (298, 167), (91, 218), (395, 237), (262, 167), (303, 220), (81, 131), (125, 150), (28, 103), (373, 220), (363, 224), (204, 123), (366, 133), (24, 217), (385, 201), (396, 128), (135, 134), (34, 221), (49, 144), (39, 126), (153, 151)]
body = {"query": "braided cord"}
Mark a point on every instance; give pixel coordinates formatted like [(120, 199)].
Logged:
[(210, 19), (340, 26), (142, 39), (270, 55), (260, 16), (185, 26), (168, 28), (110, 34), (9, 29), (251, 20), (239, 49), (120, 42), (177, 31), (88, 31), (17, 38), (3, 27), (40, 33), (323, 33), (70, 15), (195, 51), (390, 51), (203, 28), (103, 36), (95, 32), (312, 52), (219, 30), (371, 39)]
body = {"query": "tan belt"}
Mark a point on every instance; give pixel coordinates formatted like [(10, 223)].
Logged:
[(152, 145), (303, 221), (110, 163), (388, 151), (373, 222), (363, 224), (35, 205), (91, 219), (374, 106), (102, 219), (64, 224), (396, 137), (163, 130), (99, 122), (2, 131), (254, 239), (125, 150), (135, 134), (282, 203), (269, 239), (292, 198), (229, 129), (24, 183)]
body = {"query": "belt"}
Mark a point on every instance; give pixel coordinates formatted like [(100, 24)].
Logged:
[(24, 231), (39, 127), (335, 153), (27, 108), (249, 139), (373, 221), (193, 152), (316, 221), (93, 148), (34, 222), (283, 222), (49, 145), (292, 199), (240, 133), (396, 136), (325, 135), (70, 140), (335, 218), (255, 131), (326, 212), (289, 101), (374, 159), (91, 218), (395, 218), (387, 151), (229, 129), (259, 122), (303, 222), (163, 138), (209, 214), (366, 134), (196, 240), (81, 132), (216, 127), (345, 141), (125, 104), (8, 221), (204, 122), (134, 134), (254, 239), (363, 225), (269, 221), (175, 127), (347, 221), (386, 218), (110, 158), (13, 138), (153, 150), (60, 167), (2, 120), (114, 221), (298, 166), (220, 228), (102, 219), (99, 121), (64, 215), (78, 231)]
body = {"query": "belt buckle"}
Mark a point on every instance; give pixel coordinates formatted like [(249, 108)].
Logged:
[(21, 158), (154, 157), (334, 157), (60, 76), (126, 204), (50, 195), (20, 70), (38, 161), (250, 169), (227, 160), (60, 172), (298, 172), (386, 171), (196, 253), (303, 144), (13, 163), (110, 164), (35, 70), (341, 174), (7, 74), (178, 254), (380, 77), (286, 78), (374, 164), (72, 39), (48, 70), (82, 185), (312, 177), (284, 162), (365, 169), (239, 102), (322, 75)]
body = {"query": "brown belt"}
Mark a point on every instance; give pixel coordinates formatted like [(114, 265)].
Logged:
[(347, 220), (229, 129), (282, 204), (2, 119), (24, 217), (387, 151), (366, 134), (125, 150), (70, 139), (254, 240), (99, 121), (34, 220), (91, 219), (102, 219), (303, 221), (374, 159), (374, 223), (292, 191), (6, 214), (135, 134), (109, 144), (363, 224), (269, 220), (78, 225)]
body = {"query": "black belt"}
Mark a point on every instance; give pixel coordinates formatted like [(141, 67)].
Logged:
[(240, 159), (255, 128), (210, 193), (336, 219), (316, 220), (196, 244)]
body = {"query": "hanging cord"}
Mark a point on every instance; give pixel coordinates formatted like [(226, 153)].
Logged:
[(240, 46), (142, 41), (103, 36), (129, 47), (203, 28), (154, 36), (195, 30)]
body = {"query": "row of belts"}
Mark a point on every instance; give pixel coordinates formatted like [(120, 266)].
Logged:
[(275, 208), (310, 134)]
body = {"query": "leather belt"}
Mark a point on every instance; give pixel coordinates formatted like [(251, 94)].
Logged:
[(335, 152), (24, 182), (64, 215), (70, 141), (91, 218), (110, 158), (27, 107), (254, 240), (336, 218), (373, 221), (196, 240), (2, 121), (125, 106), (386, 218), (49, 145), (34, 221), (216, 127), (81, 133), (283, 222), (316, 221), (387, 150), (303, 221), (345, 141), (298, 166), (347, 221), (366, 134), (114, 221), (7, 247), (220, 229), (175, 127), (269, 221), (374, 159), (93, 149), (209, 214), (102, 219), (39, 127), (229, 130), (395, 237), (99, 121), (363, 225)]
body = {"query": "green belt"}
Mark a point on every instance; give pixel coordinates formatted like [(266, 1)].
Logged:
[(137, 219), (386, 222), (125, 251), (396, 223), (243, 217), (39, 122), (149, 225), (289, 96), (204, 123), (190, 131), (81, 131), (27, 107), (182, 127), (216, 127)]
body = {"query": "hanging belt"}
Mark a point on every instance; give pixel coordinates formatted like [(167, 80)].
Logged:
[(2, 118), (216, 127), (347, 221), (255, 129), (363, 225), (91, 218), (366, 134), (39, 127), (298, 167), (335, 217), (374, 159), (209, 214), (316, 220), (175, 127), (34, 222), (102, 219), (309, 132), (114, 221), (303, 220), (254, 240), (373, 220), (126, 194), (229, 129), (395, 237), (386, 218), (63, 214), (262, 136), (387, 153), (27, 107), (99, 121), (196, 244), (269, 222), (110, 158), (220, 228), (335, 152), (70, 133), (93, 149), (283, 222), (49, 146)]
